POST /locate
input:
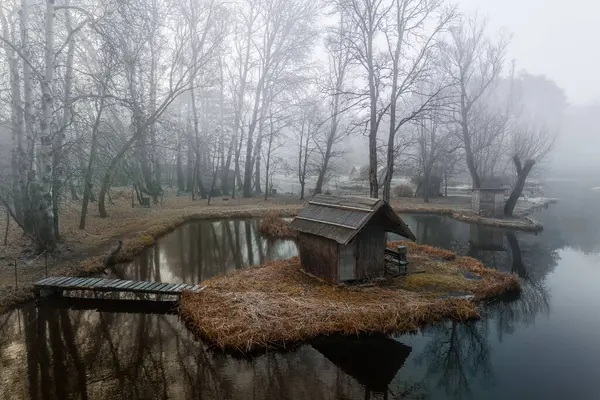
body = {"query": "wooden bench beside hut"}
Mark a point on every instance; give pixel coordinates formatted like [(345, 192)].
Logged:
[(344, 238)]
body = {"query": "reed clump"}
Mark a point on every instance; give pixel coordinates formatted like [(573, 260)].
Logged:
[(273, 226), (276, 304)]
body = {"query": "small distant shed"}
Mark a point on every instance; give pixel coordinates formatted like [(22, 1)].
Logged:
[(488, 202), (344, 238)]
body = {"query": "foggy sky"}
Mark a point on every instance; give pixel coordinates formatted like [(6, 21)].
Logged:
[(556, 38)]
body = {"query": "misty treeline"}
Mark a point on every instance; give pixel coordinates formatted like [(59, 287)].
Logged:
[(215, 97)]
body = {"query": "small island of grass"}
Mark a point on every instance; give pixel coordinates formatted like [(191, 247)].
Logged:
[(276, 304)]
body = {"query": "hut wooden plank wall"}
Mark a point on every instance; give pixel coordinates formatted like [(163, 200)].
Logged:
[(343, 238), (488, 202)]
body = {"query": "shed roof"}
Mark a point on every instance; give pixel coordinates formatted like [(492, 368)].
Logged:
[(341, 218)]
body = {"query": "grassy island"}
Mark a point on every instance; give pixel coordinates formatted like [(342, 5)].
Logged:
[(277, 304)]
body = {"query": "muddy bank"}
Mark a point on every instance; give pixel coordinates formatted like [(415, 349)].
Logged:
[(277, 304)]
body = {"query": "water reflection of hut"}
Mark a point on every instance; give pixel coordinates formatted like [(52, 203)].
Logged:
[(373, 360), (343, 238), (486, 238)]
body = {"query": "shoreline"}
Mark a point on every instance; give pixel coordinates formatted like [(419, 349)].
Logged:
[(90, 260), (81, 265), (522, 223)]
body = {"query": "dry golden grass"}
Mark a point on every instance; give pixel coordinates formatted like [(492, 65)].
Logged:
[(436, 276), (276, 304), (434, 252), (273, 226)]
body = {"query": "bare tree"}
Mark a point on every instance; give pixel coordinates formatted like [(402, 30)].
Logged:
[(474, 62), (339, 58), (367, 17), (287, 34), (530, 144), (278, 120), (305, 129), (434, 142), (413, 50), (179, 80)]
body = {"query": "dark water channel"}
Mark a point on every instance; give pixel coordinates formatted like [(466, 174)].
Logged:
[(542, 345)]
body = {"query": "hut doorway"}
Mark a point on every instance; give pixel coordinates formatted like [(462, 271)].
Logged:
[(347, 262)]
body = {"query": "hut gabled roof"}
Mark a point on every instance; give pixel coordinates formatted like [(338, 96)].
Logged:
[(341, 218)]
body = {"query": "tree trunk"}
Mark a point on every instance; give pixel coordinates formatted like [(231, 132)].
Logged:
[(249, 163), (46, 234), (190, 160), (179, 165), (517, 259), (256, 185), (17, 123), (73, 190), (373, 122), (468, 145), (323, 171), (389, 170), (109, 174), (373, 185), (522, 173), (192, 151), (215, 170), (247, 191), (226, 168), (155, 171), (269, 149), (237, 178), (427, 188), (258, 147), (28, 164), (57, 154), (87, 185)]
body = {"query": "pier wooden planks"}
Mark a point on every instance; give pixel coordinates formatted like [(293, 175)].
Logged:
[(115, 285)]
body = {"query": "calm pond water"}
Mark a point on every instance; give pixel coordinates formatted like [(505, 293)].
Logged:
[(543, 345)]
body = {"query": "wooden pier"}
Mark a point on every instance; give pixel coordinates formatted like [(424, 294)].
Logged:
[(61, 283)]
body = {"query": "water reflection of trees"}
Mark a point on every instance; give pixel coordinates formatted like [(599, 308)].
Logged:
[(202, 249), (52, 353), (574, 220), (457, 355), (438, 230)]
